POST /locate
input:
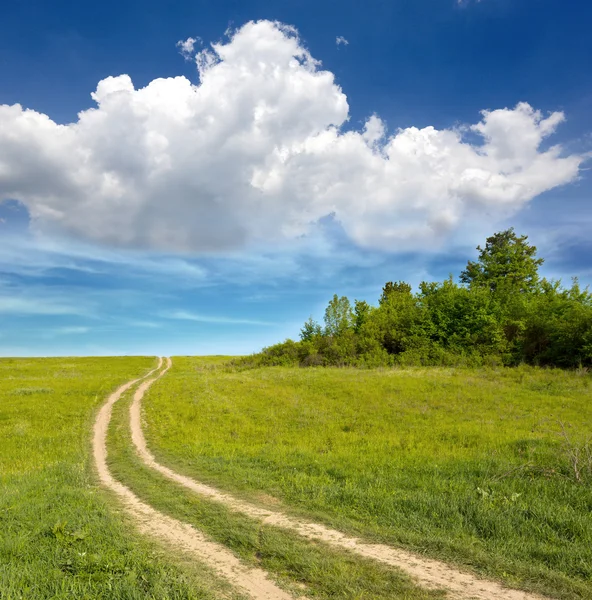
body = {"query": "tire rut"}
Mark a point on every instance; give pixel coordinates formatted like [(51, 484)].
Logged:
[(426, 572), (252, 581)]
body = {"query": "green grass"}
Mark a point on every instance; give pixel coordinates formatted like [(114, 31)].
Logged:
[(466, 465), (60, 536), (296, 564)]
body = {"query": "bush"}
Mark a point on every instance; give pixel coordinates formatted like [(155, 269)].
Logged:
[(502, 315)]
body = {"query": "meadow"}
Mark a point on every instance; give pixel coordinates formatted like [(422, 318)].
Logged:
[(297, 565), (60, 534), (486, 468)]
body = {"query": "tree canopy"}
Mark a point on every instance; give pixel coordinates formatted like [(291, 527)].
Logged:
[(501, 312), (506, 262)]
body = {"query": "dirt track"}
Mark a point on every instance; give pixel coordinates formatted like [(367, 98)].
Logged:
[(254, 582), (426, 572)]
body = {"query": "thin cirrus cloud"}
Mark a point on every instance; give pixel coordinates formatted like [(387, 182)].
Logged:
[(71, 330), (183, 315), (257, 153), (38, 255), (28, 306)]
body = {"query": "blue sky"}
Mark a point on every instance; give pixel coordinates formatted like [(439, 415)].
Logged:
[(214, 213)]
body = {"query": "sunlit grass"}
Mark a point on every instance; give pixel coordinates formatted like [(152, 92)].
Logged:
[(467, 465), (59, 534), (298, 565)]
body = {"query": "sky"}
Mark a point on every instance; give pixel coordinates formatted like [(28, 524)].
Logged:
[(200, 177)]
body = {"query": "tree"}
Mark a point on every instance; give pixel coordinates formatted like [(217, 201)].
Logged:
[(462, 319), (310, 330), (399, 320), (338, 316), (399, 287), (507, 262), (361, 312), (500, 313)]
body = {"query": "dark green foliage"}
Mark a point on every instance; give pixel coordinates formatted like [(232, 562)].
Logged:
[(557, 329), (507, 262), (361, 311), (500, 313), (400, 287), (461, 319), (310, 330)]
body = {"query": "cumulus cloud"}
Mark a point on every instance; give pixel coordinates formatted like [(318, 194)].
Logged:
[(186, 47), (256, 152), (341, 41)]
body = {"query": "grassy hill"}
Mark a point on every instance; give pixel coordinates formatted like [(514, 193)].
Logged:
[(475, 466)]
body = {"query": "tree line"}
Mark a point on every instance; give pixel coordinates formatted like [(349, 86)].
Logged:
[(500, 312)]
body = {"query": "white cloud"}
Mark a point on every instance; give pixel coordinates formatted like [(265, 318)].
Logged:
[(186, 47), (374, 130), (23, 305), (70, 330), (184, 315), (36, 256), (340, 40), (256, 154)]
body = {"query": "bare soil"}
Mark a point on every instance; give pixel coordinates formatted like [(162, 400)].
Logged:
[(254, 582)]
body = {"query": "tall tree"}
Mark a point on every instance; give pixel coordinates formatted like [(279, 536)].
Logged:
[(399, 287), (507, 262), (338, 316), (361, 311)]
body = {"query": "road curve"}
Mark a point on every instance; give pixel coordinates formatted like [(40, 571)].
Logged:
[(426, 572), (254, 582)]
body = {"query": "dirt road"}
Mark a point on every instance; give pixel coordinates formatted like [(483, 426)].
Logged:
[(426, 572), (254, 582)]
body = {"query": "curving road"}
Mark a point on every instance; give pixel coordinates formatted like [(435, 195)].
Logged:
[(254, 582), (426, 572)]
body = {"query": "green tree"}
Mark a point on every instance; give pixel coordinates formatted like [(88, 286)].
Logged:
[(310, 330), (399, 287), (503, 314), (398, 323), (361, 311), (507, 263), (338, 316), (557, 327), (462, 320)]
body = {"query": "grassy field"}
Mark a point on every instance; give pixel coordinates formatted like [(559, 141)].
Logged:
[(59, 535), (467, 465), (297, 565)]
